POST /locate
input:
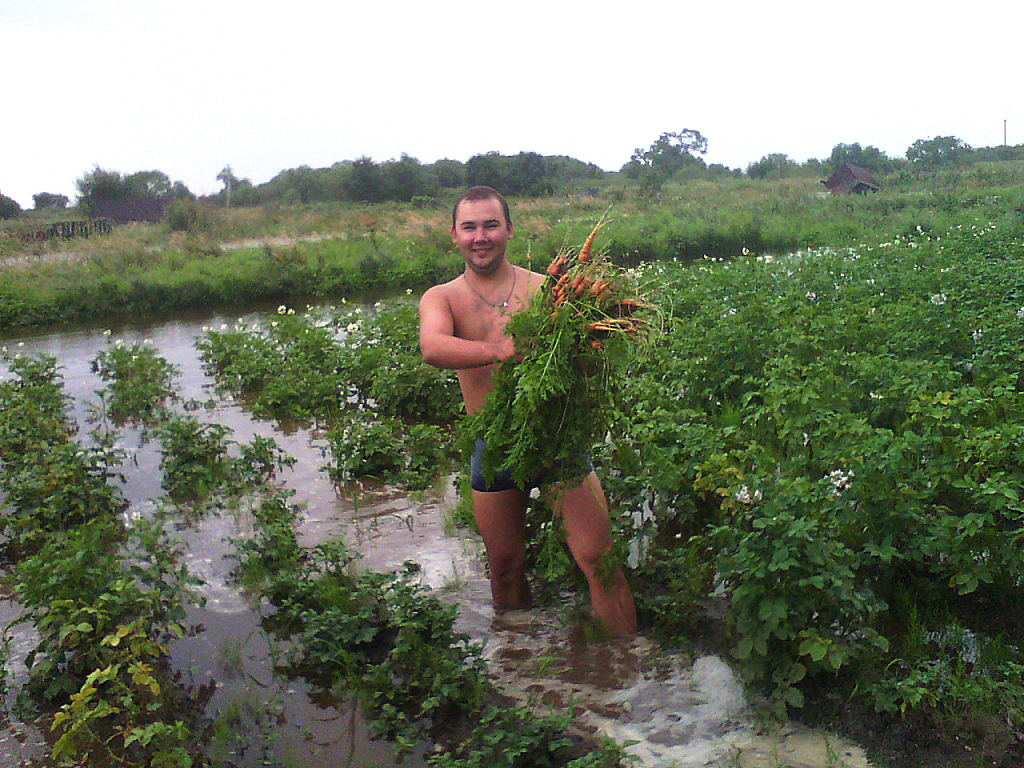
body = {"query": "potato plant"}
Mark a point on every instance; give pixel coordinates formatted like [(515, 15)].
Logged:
[(356, 372), (103, 595), (838, 432)]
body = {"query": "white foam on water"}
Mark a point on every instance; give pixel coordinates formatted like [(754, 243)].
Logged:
[(693, 717)]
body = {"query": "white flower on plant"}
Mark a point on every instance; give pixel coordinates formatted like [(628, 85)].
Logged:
[(811, 296), (224, 326), (875, 396), (938, 299), (635, 553), (107, 333), (745, 496), (282, 309), (408, 291), (840, 480), (976, 335), (1020, 313), (352, 327)]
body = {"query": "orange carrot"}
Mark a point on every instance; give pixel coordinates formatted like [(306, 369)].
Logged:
[(582, 285), (628, 306), (588, 245)]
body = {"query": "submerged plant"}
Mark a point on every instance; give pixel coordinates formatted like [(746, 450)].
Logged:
[(139, 379)]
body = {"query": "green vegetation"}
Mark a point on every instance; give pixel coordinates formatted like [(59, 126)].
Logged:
[(330, 251), (357, 374), (103, 595), (836, 433), (139, 381), (826, 442)]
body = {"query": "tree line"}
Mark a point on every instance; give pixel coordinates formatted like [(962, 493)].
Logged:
[(673, 155)]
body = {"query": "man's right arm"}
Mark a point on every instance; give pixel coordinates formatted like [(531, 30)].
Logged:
[(443, 349)]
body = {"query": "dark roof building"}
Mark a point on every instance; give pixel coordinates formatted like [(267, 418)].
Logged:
[(123, 210), (850, 178)]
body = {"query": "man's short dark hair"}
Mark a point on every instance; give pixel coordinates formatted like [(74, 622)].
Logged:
[(483, 193)]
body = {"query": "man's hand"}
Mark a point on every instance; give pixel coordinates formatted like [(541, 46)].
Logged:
[(505, 349)]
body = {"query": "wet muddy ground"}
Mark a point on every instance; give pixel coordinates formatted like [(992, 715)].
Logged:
[(679, 711)]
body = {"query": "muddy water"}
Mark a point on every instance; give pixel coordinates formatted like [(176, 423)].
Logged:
[(679, 711)]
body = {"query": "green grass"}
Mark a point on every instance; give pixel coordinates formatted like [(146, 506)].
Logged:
[(388, 247)]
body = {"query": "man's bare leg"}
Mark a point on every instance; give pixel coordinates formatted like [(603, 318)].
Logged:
[(584, 511), (501, 517)]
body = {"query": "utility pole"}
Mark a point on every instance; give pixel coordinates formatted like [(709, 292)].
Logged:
[(1004, 132), (227, 177)]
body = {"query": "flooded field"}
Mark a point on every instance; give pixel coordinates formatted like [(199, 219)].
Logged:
[(679, 711)]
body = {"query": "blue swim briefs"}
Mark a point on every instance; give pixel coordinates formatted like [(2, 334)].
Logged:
[(502, 480)]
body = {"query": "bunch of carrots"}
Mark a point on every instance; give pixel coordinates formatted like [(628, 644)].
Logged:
[(585, 287), (554, 401)]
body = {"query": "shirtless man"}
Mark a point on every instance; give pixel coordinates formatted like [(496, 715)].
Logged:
[(462, 327)]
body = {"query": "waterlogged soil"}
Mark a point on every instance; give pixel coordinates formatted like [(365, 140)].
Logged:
[(673, 709)]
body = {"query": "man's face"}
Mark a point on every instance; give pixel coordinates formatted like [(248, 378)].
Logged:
[(481, 234)]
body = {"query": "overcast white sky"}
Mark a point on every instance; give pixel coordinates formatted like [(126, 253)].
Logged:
[(189, 86)]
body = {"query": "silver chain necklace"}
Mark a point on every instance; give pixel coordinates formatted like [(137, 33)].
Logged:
[(491, 303)]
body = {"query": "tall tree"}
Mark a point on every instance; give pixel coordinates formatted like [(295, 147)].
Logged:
[(404, 178), (449, 173), (9, 208), (111, 185), (527, 175), (869, 157), (365, 182), (775, 165), (486, 170), (668, 155), (937, 152)]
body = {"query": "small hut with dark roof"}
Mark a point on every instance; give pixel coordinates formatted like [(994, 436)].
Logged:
[(850, 178), (128, 208)]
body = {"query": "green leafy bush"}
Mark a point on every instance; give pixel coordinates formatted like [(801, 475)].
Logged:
[(839, 426)]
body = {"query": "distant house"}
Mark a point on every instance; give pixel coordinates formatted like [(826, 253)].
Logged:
[(850, 178), (123, 210)]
